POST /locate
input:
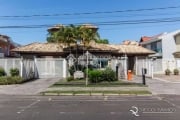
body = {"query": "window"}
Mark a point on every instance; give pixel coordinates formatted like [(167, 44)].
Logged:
[(153, 46), (157, 46), (103, 62), (0, 50), (177, 39)]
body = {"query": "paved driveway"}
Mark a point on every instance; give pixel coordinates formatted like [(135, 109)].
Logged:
[(29, 88), (161, 86)]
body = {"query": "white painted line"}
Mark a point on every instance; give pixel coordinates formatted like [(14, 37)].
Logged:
[(99, 100), (71, 112), (170, 103), (62, 112), (49, 99), (115, 113), (18, 112), (105, 98), (28, 106)]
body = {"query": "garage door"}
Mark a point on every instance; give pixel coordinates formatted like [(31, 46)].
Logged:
[(50, 67)]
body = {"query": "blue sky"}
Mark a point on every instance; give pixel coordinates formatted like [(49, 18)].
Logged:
[(115, 33)]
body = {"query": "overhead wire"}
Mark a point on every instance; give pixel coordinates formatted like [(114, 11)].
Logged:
[(89, 13)]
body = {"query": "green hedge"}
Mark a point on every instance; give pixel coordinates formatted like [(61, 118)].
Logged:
[(108, 75), (2, 72), (96, 76), (7, 80)]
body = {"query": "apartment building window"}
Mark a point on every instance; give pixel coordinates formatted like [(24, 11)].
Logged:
[(153, 46), (156, 46), (177, 39)]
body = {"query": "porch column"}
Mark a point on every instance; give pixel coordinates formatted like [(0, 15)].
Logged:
[(152, 69), (64, 68), (35, 67), (21, 66), (136, 65), (125, 66)]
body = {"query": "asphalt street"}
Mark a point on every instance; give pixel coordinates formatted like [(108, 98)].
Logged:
[(164, 107)]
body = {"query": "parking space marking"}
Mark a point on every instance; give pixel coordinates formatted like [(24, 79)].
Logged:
[(28, 106)]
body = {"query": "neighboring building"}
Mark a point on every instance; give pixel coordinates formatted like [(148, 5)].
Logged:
[(130, 42), (167, 46), (6, 44)]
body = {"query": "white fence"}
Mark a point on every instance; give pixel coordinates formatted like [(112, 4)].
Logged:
[(122, 67), (144, 63), (36, 68), (8, 63), (157, 66)]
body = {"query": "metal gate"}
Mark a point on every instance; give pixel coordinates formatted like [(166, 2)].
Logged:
[(144, 63), (50, 67), (28, 69)]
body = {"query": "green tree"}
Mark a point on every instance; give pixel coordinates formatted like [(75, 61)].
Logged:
[(71, 34), (103, 41), (87, 35)]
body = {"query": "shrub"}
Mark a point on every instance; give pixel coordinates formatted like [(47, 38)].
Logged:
[(176, 72), (3, 80), (7, 80), (2, 72), (14, 72), (71, 78), (108, 75), (74, 68), (167, 72), (95, 76)]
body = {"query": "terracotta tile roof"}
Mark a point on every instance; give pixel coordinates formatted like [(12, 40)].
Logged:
[(132, 49), (147, 38), (40, 47), (54, 47)]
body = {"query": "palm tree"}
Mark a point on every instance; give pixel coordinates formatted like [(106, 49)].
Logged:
[(71, 34), (87, 35), (64, 35)]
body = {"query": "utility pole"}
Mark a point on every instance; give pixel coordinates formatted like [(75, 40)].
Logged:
[(87, 68)]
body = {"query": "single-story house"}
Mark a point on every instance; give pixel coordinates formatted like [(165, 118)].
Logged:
[(101, 55)]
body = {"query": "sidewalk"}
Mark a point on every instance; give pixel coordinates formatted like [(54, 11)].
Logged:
[(160, 86), (29, 88), (168, 78)]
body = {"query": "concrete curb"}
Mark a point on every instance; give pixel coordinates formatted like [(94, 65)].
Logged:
[(92, 94)]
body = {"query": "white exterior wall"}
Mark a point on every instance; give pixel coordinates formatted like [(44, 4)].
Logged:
[(168, 48)]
